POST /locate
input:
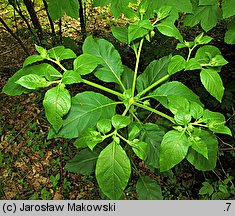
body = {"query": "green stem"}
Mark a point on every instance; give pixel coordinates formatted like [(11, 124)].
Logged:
[(157, 20), (58, 63), (89, 82), (135, 168), (136, 118), (103, 88), (137, 66), (126, 110), (153, 85), (190, 52), (124, 139), (108, 135), (155, 111), (200, 125)]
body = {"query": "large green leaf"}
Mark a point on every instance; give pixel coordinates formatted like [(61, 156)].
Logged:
[(206, 53), (218, 61), (140, 148), (111, 67), (180, 5), (196, 110), (138, 30), (127, 77), (101, 3), (182, 117), (210, 56), (86, 63), (228, 8), (200, 147), (192, 64), (154, 71), (164, 12), (119, 121), (201, 14), (176, 103), (199, 161), (71, 77), (32, 59), (173, 149), (213, 83), (176, 64), (169, 29), (216, 122), (148, 189), (207, 2), (177, 6), (87, 109), (104, 126), (42, 51), (120, 33), (33, 81), (57, 102), (11, 88), (230, 34), (133, 130), (173, 88), (60, 53), (120, 6), (152, 134), (113, 170), (197, 143), (88, 138), (201, 39), (57, 9), (83, 162), (179, 106)]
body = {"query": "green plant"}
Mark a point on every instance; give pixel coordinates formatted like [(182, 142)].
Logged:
[(109, 129), (66, 184), (218, 189), (45, 195), (54, 180), (34, 196)]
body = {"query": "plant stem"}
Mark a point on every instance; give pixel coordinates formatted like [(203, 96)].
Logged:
[(153, 85), (190, 52), (135, 168), (137, 66), (126, 110), (103, 88), (108, 135), (157, 20), (155, 111), (89, 82), (58, 63), (124, 139), (200, 125)]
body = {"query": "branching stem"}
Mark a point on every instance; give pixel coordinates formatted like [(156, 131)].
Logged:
[(137, 66), (155, 111)]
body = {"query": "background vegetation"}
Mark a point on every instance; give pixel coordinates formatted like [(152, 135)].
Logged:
[(32, 167)]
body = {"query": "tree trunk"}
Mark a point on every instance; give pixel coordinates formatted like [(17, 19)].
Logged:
[(13, 35), (19, 11), (30, 7), (60, 31), (82, 20), (50, 20)]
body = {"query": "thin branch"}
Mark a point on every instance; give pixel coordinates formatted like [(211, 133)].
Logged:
[(14, 35)]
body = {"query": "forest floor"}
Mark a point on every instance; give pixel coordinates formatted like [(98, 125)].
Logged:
[(32, 167)]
